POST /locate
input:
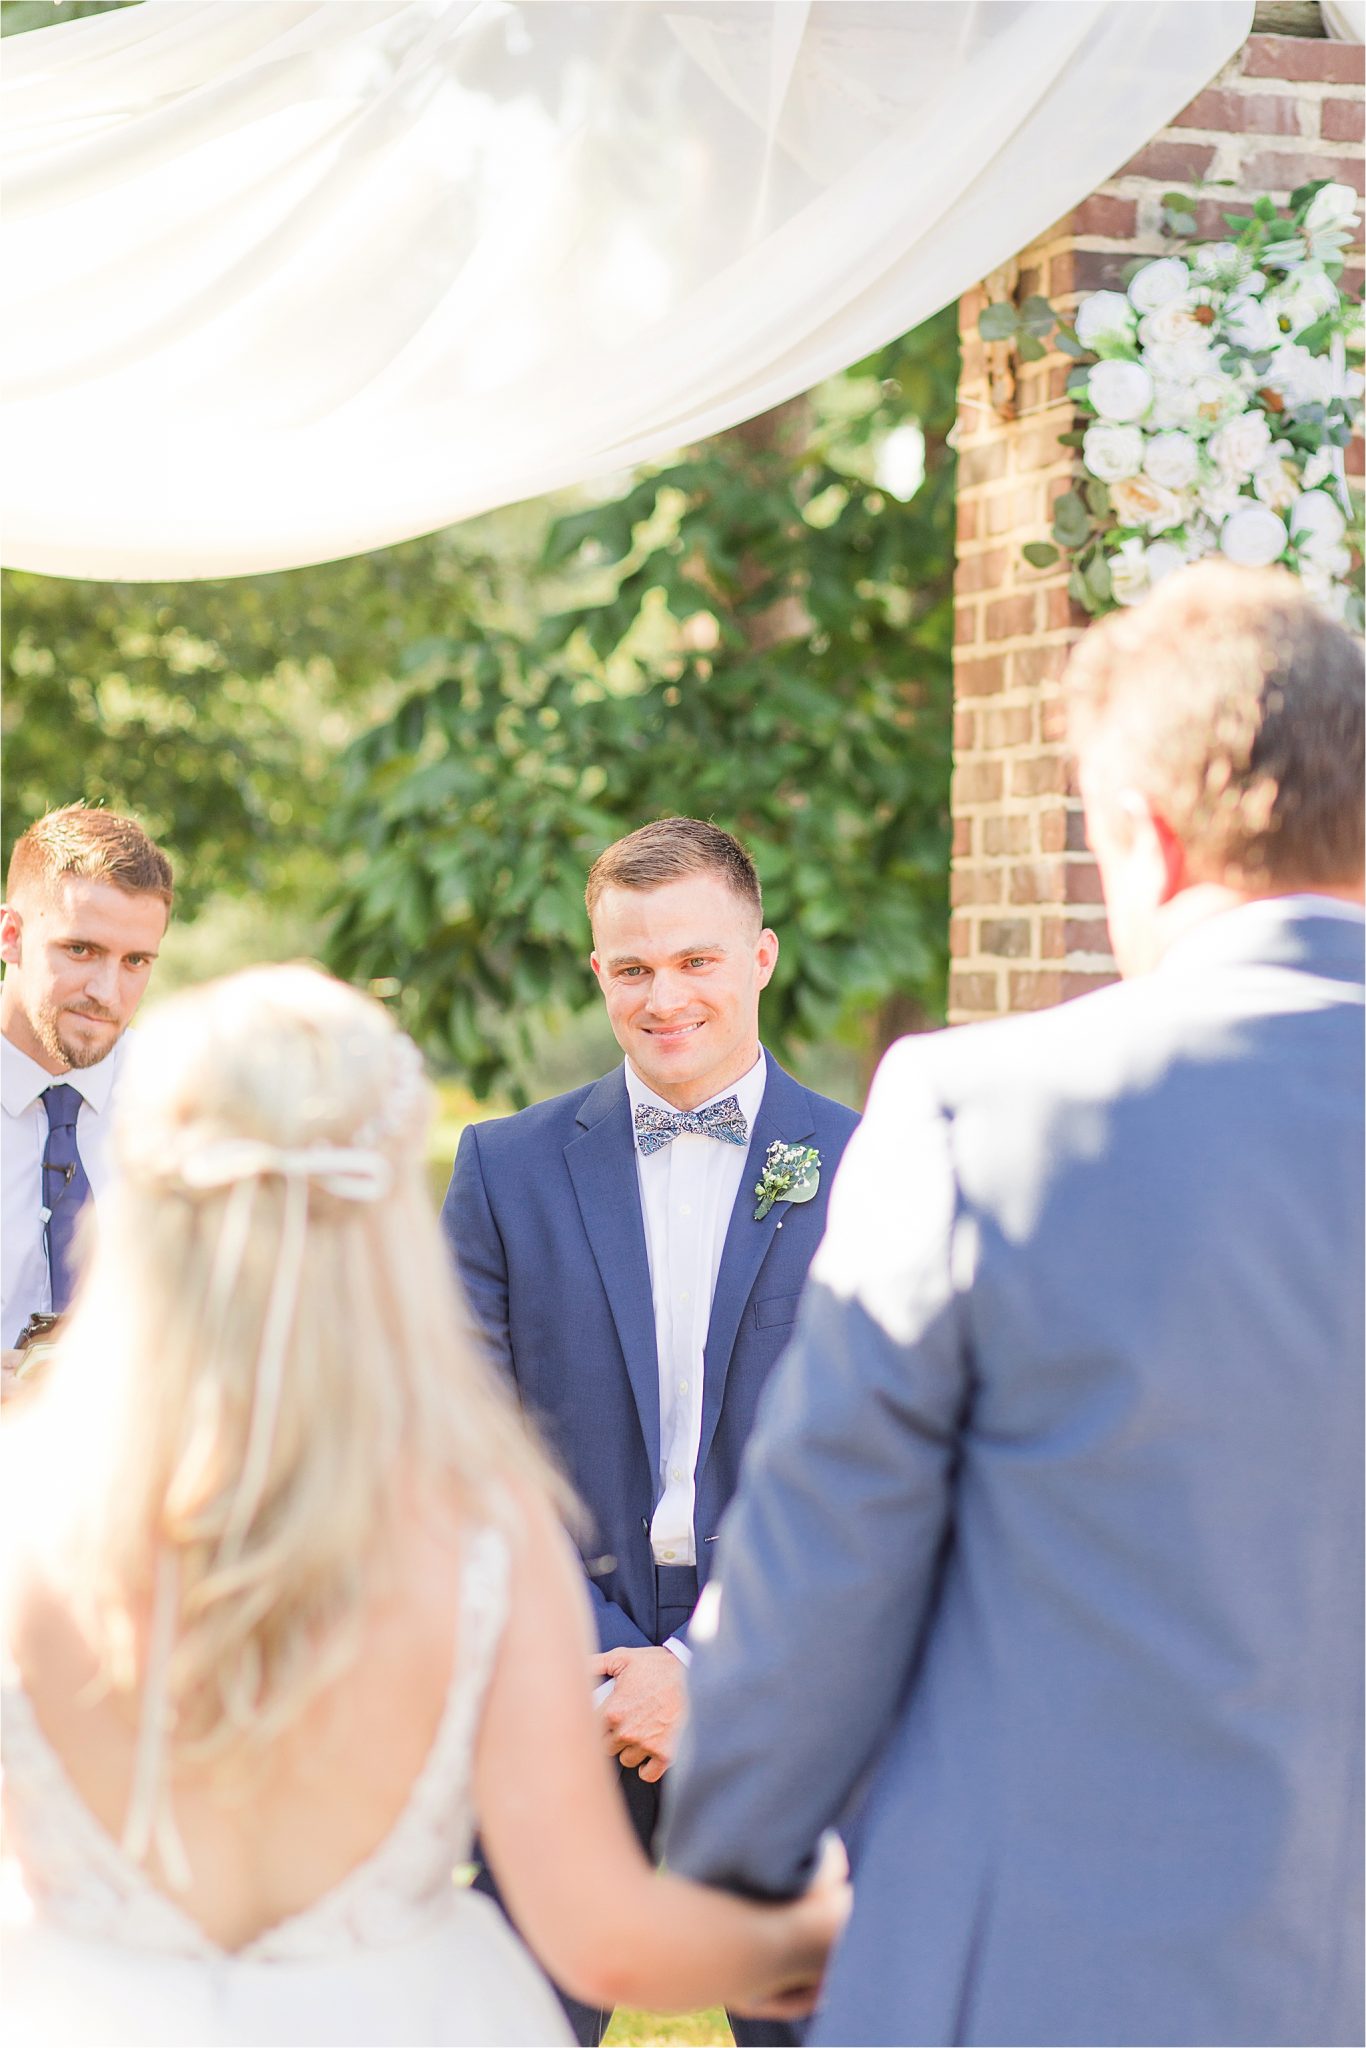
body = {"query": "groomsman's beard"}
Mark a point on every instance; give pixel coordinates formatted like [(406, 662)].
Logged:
[(83, 1050)]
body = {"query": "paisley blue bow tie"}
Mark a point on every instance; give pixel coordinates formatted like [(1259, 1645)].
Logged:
[(723, 1120)]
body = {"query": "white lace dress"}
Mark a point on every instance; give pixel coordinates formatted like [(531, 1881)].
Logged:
[(394, 1954)]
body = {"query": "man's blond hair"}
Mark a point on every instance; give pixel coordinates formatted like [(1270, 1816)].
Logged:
[(94, 846), (1236, 706)]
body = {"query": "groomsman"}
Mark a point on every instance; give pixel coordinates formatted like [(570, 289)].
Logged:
[(631, 1276), (1050, 1538), (88, 898)]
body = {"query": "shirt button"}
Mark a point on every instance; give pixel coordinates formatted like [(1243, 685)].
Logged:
[(685, 1209), (678, 1471), (682, 1386), (685, 1296), (668, 1557)]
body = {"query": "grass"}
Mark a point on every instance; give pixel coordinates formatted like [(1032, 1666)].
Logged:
[(669, 2030)]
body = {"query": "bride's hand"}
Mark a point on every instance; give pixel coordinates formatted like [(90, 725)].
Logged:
[(804, 1932)]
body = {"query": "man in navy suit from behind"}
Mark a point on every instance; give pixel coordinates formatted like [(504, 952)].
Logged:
[(608, 1243)]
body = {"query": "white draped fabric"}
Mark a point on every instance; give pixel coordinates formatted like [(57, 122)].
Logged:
[(288, 281)]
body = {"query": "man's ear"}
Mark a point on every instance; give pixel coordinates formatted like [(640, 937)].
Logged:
[(596, 966), (11, 935), (1176, 873), (1149, 836), (766, 956)]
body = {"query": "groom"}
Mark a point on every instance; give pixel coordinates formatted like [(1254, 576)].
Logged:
[(609, 1244)]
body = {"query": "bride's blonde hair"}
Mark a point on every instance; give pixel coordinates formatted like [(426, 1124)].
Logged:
[(270, 1357)]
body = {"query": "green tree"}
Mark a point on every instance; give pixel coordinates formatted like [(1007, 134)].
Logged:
[(761, 634), (215, 711)]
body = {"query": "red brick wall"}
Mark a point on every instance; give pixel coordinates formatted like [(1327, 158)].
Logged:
[(1028, 925)]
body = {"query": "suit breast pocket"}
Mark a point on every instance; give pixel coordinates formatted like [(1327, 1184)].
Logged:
[(776, 1310)]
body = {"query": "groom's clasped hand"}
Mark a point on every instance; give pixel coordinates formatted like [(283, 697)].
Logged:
[(642, 1713)]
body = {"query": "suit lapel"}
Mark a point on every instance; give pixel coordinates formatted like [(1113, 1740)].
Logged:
[(602, 1164), (785, 1113)]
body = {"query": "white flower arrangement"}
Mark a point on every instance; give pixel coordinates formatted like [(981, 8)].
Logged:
[(1219, 398)]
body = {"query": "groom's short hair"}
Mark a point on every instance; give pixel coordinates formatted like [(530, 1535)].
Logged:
[(666, 851)]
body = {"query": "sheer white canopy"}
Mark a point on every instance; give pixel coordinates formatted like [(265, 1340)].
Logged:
[(288, 281)]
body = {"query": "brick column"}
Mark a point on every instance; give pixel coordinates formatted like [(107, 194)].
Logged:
[(1028, 925)]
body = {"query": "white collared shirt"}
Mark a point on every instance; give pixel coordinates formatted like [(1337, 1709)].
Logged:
[(25, 1283), (688, 1189)]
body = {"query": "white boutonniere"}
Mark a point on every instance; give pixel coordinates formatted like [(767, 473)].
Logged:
[(792, 1173)]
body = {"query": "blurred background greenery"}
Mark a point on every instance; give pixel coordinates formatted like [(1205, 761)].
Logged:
[(404, 763)]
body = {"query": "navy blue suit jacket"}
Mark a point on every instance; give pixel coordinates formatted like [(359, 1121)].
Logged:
[(543, 1215)]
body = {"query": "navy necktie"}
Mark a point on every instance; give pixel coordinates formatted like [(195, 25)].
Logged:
[(65, 1188), (723, 1120)]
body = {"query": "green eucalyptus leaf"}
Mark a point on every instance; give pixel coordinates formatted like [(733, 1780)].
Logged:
[(1071, 520), (999, 321), (1031, 351), (1037, 316), (1040, 554), (1316, 336)]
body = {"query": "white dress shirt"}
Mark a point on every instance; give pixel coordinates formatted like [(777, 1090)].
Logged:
[(25, 1283), (688, 1189)]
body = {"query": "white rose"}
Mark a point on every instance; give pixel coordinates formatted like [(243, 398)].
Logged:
[(1162, 558), (1105, 316), (1181, 363), (1334, 207), (1334, 562), (1138, 501), (1217, 398), (1173, 324), (1307, 295), (1317, 521), (1173, 403), (1318, 468), (1171, 459), (1119, 391), (1238, 447), (1218, 497), (1249, 323), (1158, 282), (1253, 536), (1129, 572), (1201, 539), (1217, 262), (1276, 480), (1299, 377), (1111, 452)]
